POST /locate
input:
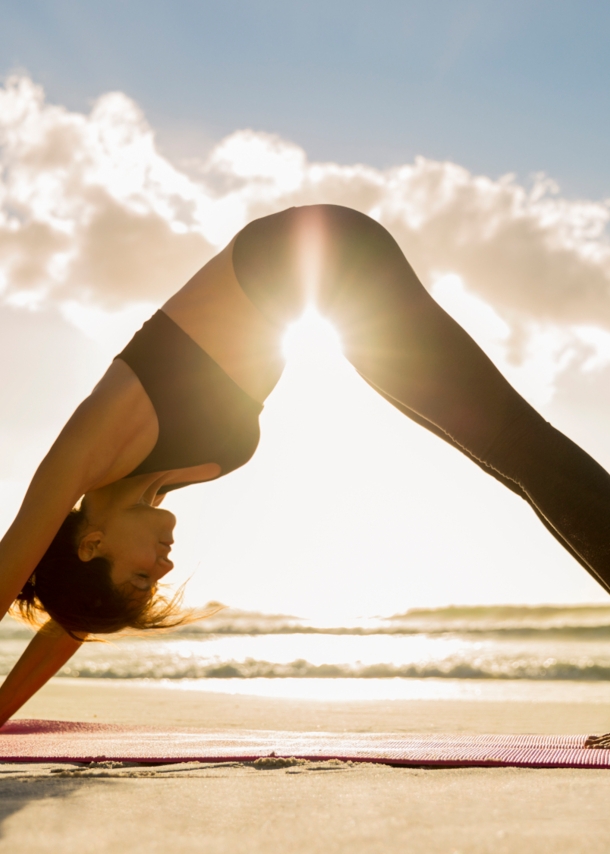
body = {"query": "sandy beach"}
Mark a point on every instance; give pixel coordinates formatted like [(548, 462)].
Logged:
[(327, 806)]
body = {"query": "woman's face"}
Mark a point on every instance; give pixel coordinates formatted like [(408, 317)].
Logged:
[(138, 540)]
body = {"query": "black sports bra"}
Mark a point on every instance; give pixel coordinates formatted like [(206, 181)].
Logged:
[(204, 416)]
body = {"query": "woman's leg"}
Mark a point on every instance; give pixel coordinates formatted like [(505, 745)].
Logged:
[(423, 362)]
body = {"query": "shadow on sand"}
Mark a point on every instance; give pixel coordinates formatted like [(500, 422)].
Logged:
[(17, 790)]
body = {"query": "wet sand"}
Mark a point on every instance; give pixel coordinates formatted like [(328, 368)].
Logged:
[(307, 807)]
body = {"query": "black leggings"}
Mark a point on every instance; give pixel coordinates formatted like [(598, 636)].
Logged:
[(407, 348)]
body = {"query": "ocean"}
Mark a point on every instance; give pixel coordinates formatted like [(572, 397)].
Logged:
[(423, 652)]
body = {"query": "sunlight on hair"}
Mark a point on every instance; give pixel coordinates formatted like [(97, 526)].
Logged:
[(312, 340)]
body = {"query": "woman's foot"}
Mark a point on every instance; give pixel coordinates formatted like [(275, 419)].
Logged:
[(598, 740)]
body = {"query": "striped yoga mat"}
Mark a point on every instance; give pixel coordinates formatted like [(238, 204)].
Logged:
[(63, 741)]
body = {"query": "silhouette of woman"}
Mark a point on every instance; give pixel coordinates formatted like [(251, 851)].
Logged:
[(181, 403)]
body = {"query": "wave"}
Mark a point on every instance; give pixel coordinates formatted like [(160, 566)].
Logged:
[(506, 612), (302, 669), (483, 643), (547, 633), (549, 622), (540, 622)]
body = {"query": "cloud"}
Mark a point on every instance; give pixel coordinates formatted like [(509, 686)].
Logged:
[(88, 208), (91, 211)]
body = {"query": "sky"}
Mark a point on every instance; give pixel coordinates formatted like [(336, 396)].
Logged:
[(136, 139)]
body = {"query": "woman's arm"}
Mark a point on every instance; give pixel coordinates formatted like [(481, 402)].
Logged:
[(109, 434), (46, 653), (53, 492)]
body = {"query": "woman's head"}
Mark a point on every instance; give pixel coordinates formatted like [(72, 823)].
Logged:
[(101, 578), (136, 539)]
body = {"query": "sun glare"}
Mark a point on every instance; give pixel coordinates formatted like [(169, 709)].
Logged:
[(312, 339)]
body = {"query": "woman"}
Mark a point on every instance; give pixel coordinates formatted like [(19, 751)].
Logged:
[(181, 403)]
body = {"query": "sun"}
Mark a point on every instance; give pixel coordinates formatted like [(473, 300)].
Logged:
[(312, 340)]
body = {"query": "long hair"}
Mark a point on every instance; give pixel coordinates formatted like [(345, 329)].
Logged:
[(81, 596)]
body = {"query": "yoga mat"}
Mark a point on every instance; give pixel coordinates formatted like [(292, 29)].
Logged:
[(65, 741)]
